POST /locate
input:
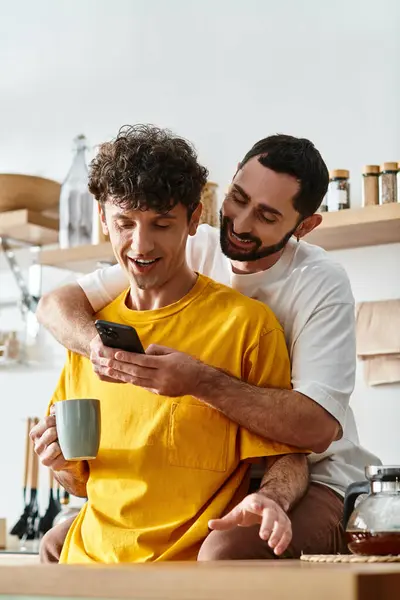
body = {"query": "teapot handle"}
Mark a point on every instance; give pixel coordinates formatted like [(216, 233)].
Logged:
[(353, 491)]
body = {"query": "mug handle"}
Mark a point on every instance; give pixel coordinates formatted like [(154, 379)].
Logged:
[(353, 491)]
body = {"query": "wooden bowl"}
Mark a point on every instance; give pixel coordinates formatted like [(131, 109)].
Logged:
[(27, 191)]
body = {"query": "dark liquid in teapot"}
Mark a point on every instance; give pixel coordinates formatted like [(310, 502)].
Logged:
[(370, 544)]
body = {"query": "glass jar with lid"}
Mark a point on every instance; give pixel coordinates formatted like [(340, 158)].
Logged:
[(388, 183), (338, 190), (209, 201), (370, 191)]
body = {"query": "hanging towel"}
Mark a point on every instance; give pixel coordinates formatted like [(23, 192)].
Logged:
[(378, 341)]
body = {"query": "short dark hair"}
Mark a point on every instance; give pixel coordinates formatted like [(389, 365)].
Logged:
[(297, 157), (146, 167)]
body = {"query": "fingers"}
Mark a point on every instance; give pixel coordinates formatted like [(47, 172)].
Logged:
[(249, 512), (140, 360), (114, 376), (234, 518), (284, 542), (38, 430), (107, 379), (269, 517), (48, 437), (281, 534), (123, 367), (52, 456), (45, 443), (275, 525), (156, 350)]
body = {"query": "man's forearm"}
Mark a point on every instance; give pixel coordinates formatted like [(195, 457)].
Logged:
[(74, 481), (285, 416), (70, 322), (286, 480)]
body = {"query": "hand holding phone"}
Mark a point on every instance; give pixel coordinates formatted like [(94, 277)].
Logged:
[(118, 336)]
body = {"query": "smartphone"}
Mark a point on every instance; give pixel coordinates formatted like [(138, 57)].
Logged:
[(122, 337)]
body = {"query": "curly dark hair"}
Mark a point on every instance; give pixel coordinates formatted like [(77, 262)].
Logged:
[(146, 167)]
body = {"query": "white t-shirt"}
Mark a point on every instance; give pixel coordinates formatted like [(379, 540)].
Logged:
[(311, 297)]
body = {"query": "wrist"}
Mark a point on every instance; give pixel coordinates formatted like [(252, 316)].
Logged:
[(273, 495), (205, 384), (78, 470)]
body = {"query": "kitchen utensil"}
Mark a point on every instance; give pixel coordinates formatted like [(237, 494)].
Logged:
[(28, 191), (3, 536), (54, 507), (58, 492), (373, 527), (31, 530), (20, 526), (78, 428)]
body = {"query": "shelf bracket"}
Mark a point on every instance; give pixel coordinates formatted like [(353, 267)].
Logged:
[(30, 295)]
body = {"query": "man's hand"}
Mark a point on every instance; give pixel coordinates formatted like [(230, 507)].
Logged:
[(99, 351), (46, 446), (275, 525), (73, 475), (161, 370)]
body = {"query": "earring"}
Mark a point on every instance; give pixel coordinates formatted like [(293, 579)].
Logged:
[(298, 239)]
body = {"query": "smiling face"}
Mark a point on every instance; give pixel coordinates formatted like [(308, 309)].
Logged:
[(258, 216), (149, 246)]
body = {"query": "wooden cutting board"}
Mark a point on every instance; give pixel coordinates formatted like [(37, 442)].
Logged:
[(28, 191)]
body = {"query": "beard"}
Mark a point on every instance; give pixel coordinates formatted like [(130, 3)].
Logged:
[(257, 252)]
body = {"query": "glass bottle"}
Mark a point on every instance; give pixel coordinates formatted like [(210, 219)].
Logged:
[(76, 202), (338, 190)]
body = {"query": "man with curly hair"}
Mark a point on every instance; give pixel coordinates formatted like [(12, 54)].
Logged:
[(169, 468), (271, 204)]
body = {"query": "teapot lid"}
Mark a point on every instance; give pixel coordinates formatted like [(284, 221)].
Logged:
[(382, 472)]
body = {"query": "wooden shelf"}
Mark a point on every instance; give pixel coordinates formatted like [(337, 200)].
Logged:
[(351, 228), (82, 259), (29, 226), (357, 227)]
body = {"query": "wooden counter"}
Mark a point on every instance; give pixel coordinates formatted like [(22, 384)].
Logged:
[(269, 580)]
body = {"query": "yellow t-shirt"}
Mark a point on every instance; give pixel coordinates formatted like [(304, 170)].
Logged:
[(168, 465)]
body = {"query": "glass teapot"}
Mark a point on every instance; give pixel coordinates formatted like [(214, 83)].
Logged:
[(373, 527)]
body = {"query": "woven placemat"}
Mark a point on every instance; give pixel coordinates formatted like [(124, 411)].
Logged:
[(348, 558)]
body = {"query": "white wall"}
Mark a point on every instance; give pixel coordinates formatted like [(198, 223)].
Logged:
[(222, 73)]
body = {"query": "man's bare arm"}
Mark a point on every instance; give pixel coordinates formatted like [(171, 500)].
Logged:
[(285, 416), (286, 480), (68, 315)]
